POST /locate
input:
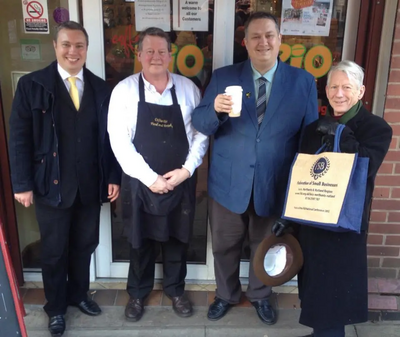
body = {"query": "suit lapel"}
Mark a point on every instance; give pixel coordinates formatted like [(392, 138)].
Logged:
[(277, 94), (249, 96)]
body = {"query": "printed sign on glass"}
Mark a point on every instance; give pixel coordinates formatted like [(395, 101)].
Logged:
[(36, 17)]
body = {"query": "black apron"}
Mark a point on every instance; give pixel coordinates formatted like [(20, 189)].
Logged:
[(161, 139)]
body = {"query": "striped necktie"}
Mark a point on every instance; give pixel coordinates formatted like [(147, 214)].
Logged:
[(262, 99), (73, 91)]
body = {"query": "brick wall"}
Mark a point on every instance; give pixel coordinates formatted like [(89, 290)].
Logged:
[(384, 238)]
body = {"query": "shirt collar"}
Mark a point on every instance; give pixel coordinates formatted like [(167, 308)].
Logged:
[(269, 75), (64, 74), (150, 87)]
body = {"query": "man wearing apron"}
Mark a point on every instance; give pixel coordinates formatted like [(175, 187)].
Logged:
[(153, 139)]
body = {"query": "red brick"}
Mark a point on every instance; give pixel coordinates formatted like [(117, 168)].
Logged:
[(396, 131), (387, 180), (388, 286), (386, 168), (391, 116), (376, 302), (391, 262), (393, 155), (392, 240), (393, 90), (373, 262), (394, 76), (381, 192), (394, 144), (396, 48), (382, 272), (395, 193), (397, 169), (375, 239), (373, 285), (392, 102), (380, 204), (382, 228), (397, 32), (395, 62), (394, 216), (383, 251), (378, 216)]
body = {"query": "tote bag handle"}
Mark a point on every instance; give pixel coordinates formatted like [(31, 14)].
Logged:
[(336, 144)]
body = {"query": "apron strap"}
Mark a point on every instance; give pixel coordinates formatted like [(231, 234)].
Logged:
[(173, 94), (141, 89)]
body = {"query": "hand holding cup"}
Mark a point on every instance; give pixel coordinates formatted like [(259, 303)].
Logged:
[(230, 102), (223, 103)]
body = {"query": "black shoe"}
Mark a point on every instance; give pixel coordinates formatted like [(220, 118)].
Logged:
[(134, 309), (265, 311), (89, 307), (218, 309), (56, 325)]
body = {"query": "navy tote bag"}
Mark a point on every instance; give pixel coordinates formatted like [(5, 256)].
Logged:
[(315, 207)]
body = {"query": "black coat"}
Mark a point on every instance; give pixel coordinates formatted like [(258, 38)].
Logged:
[(333, 281), (34, 137)]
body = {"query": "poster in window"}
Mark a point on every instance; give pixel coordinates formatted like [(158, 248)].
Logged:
[(306, 17), (152, 13), (190, 15)]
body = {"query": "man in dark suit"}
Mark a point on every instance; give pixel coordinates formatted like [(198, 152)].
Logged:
[(61, 159), (251, 156)]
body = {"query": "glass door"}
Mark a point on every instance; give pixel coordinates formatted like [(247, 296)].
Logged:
[(26, 45)]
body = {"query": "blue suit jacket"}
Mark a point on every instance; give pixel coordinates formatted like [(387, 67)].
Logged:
[(244, 155)]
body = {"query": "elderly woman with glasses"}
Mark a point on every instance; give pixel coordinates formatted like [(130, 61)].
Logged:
[(333, 280)]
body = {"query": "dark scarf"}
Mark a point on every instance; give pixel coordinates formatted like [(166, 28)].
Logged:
[(349, 114)]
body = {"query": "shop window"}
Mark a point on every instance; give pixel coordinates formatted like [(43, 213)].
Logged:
[(312, 34)]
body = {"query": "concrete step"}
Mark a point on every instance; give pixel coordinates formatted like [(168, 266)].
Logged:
[(162, 322)]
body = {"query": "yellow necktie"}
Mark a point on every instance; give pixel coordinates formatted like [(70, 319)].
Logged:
[(73, 92)]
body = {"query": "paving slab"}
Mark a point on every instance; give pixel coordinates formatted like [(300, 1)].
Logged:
[(162, 322), (379, 329)]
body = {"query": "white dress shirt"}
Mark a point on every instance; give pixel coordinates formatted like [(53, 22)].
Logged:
[(122, 119), (79, 80)]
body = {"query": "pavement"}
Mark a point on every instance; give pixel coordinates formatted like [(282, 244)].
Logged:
[(163, 322)]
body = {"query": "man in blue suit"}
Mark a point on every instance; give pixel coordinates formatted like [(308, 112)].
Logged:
[(251, 156)]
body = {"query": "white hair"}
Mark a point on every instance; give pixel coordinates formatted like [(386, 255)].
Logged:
[(353, 71)]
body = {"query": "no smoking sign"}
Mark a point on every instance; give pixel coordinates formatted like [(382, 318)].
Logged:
[(36, 17), (34, 9)]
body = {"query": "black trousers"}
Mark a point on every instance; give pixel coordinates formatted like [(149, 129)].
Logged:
[(228, 232), (69, 236), (142, 265)]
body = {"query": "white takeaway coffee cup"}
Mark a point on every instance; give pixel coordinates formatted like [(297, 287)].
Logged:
[(235, 91)]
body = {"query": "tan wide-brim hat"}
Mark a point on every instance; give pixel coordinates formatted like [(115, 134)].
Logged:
[(294, 259)]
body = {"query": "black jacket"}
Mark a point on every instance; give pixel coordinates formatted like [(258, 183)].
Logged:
[(333, 280), (34, 137)]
